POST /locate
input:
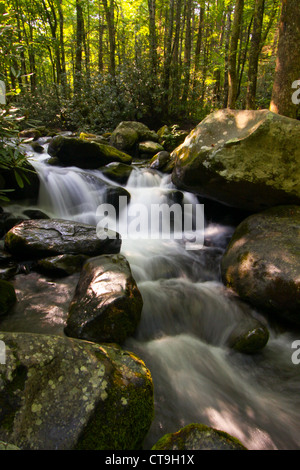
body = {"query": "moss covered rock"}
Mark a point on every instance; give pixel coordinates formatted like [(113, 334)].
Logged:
[(128, 133), (162, 161), (107, 304), (198, 437), (45, 238), (7, 296), (58, 393), (149, 148), (85, 154), (245, 159), (118, 172), (262, 262)]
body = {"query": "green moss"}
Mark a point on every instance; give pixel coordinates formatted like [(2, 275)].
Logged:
[(198, 437), (123, 418)]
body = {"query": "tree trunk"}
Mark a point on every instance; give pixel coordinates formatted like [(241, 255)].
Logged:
[(152, 36), (232, 67), (187, 53), (79, 44), (110, 14), (254, 53), (288, 60)]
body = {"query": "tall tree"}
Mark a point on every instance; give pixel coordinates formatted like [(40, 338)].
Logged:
[(254, 53), (288, 59), (79, 45), (232, 61)]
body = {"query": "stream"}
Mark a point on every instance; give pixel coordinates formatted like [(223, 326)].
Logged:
[(186, 320)]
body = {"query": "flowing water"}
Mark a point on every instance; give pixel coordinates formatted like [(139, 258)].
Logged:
[(186, 321)]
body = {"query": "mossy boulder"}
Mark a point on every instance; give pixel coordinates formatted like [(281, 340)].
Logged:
[(249, 340), (7, 296), (59, 393), (118, 172), (107, 304), (149, 148), (171, 137), (73, 151), (128, 133), (45, 238), (198, 437), (262, 262), (245, 159), (162, 161)]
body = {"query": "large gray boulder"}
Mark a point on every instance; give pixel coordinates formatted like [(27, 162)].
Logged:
[(245, 159), (198, 437), (58, 393), (44, 238), (73, 151), (262, 262), (107, 304)]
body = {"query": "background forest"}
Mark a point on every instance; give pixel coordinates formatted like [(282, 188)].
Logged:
[(90, 64)]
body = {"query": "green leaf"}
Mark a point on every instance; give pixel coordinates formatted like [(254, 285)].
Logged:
[(19, 179)]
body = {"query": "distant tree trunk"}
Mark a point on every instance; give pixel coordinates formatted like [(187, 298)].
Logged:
[(110, 18), (232, 63), (100, 44), (168, 58), (187, 52), (288, 60), (227, 42), (254, 53), (79, 43), (198, 46), (152, 35), (62, 49)]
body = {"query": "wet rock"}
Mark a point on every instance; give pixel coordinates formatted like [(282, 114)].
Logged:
[(249, 340), (61, 265), (45, 238), (58, 393), (262, 262), (7, 296), (85, 154), (198, 437), (149, 148), (35, 214), (245, 159), (107, 304), (162, 161), (118, 172)]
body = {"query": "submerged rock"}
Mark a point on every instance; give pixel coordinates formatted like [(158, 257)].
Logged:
[(262, 262), (245, 159), (58, 393), (198, 437), (44, 238), (107, 304), (85, 154)]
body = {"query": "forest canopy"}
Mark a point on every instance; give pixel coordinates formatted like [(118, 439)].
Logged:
[(90, 64)]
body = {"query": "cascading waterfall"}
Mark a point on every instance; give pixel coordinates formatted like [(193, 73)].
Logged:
[(187, 318)]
